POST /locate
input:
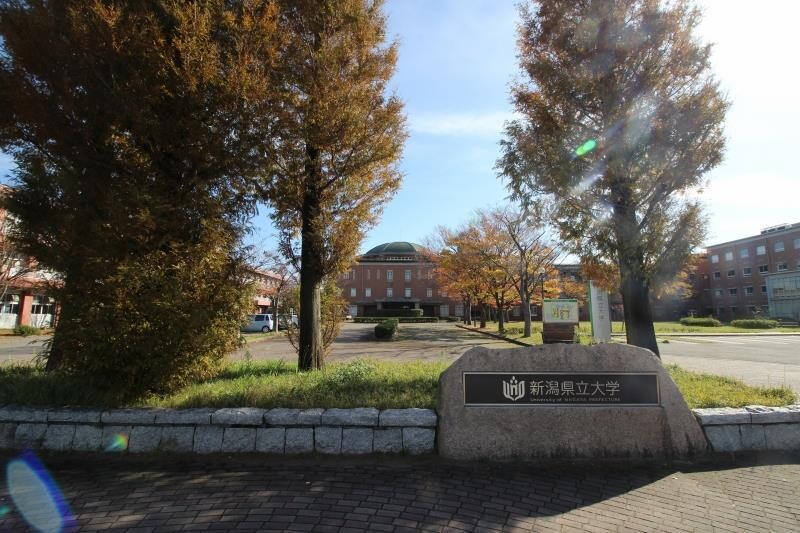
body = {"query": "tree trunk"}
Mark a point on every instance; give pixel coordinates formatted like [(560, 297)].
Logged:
[(501, 328), (469, 311), (275, 312), (483, 315), (311, 348), (638, 316)]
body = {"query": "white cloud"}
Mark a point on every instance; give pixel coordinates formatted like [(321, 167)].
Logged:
[(488, 124)]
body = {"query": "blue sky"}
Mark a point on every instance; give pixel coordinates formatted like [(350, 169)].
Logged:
[(457, 58)]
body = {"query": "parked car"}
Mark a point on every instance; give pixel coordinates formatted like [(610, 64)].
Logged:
[(288, 321), (261, 322)]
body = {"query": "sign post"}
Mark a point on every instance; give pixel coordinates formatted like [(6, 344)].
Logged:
[(599, 314), (559, 318)]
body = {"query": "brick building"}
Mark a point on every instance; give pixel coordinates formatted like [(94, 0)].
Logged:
[(396, 275), (267, 285), (757, 275)]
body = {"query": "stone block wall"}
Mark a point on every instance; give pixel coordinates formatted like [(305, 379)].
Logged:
[(232, 430), (751, 429)]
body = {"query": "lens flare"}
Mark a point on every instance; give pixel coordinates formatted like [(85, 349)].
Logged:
[(36, 496), (118, 444), (585, 148)]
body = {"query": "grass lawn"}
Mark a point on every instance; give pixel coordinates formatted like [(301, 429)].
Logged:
[(357, 384), (514, 329)]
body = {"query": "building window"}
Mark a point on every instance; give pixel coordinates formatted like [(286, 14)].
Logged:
[(10, 304), (368, 292), (782, 267), (731, 273), (419, 273), (407, 292), (430, 274), (443, 293), (732, 291), (734, 309), (763, 289), (444, 310), (429, 293), (407, 275), (779, 246), (728, 256), (352, 292), (353, 273), (747, 272), (347, 275), (761, 250), (515, 311), (717, 275), (390, 275), (369, 274), (389, 292), (718, 293), (744, 253), (715, 258), (763, 269), (797, 244), (748, 291)]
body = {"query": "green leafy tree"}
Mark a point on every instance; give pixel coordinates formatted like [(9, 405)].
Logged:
[(336, 143), (135, 127), (620, 120)]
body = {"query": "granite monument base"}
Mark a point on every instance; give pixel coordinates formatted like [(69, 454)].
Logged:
[(564, 402)]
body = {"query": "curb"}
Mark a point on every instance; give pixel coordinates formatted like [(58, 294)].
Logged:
[(495, 335), (743, 334)]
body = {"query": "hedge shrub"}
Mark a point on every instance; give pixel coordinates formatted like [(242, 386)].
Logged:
[(755, 323), (24, 331), (700, 321), (386, 329), (398, 313), (402, 320)]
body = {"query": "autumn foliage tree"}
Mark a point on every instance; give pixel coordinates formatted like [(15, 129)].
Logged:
[(135, 127), (335, 144), (620, 120)]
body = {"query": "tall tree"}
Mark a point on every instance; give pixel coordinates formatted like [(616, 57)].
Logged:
[(336, 144), (135, 126), (528, 250), (621, 119)]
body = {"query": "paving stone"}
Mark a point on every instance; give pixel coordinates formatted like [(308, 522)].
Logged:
[(128, 416), (184, 417), (270, 440), (408, 417), (357, 440), (722, 416), (299, 440), (784, 437), (417, 441), (207, 439), (144, 439), (772, 415), (86, 416), (281, 416), (7, 431), (29, 435), (310, 417), (328, 440), (239, 439), (177, 439), (240, 416), (59, 437), (753, 437), (11, 413), (116, 438), (724, 438), (360, 416), (388, 440), (87, 438)]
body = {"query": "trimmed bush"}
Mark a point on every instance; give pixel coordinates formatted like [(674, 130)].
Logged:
[(454, 319), (700, 321), (755, 323), (386, 329), (391, 313), (24, 331), (402, 320)]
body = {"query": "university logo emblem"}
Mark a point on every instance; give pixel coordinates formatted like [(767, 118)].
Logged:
[(513, 390)]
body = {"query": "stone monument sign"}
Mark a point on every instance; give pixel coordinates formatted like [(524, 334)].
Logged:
[(564, 402)]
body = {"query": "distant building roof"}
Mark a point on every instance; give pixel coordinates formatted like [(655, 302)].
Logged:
[(395, 251)]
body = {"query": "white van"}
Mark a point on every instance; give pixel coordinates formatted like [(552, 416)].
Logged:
[(259, 323)]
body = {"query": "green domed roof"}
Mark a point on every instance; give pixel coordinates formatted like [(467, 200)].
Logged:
[(399, 247)]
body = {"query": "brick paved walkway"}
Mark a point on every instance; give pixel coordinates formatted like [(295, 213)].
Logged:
[(404, 494)]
